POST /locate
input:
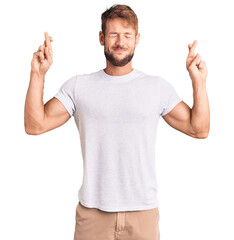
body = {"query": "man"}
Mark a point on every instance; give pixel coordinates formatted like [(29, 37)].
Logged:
[(117, 110)]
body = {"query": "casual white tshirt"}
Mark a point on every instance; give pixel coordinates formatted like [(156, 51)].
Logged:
[(117, 119)]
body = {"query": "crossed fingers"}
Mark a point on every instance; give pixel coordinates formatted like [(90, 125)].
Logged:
[(194, 63), (191, 55), (192, 49), (45, 50)]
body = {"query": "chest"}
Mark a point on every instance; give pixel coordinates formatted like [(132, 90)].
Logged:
[(123, 102)]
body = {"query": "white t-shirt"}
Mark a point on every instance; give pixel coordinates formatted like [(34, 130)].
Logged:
[(117, 119)]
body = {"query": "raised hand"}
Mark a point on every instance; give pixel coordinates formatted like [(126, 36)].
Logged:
[(43, 58), (196, 67)]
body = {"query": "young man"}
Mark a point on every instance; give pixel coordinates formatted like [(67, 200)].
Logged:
[(117, 110)]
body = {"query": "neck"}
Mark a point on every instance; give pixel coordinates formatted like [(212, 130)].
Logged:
[(118, 71)]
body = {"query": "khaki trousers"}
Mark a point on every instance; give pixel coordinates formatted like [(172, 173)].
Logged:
[(95, 224)]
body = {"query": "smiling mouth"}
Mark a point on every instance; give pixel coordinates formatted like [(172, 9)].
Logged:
[(119, 50)]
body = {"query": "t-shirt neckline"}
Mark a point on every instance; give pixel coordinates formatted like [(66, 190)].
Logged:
[(124, 77)]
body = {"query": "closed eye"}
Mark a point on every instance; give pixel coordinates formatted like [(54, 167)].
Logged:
[(115, 35), (112, 35)]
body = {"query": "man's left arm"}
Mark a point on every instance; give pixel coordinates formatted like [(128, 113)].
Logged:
[(194, 122)]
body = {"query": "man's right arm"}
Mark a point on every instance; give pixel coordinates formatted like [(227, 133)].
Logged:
[(40, 117)]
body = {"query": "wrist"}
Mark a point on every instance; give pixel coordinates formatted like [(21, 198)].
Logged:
[(37, 75), (199, 85)]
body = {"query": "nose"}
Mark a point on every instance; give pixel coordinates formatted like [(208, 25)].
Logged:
[(120, 40)]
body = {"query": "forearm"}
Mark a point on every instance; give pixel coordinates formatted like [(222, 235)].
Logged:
[(200, 113), (34, 106)]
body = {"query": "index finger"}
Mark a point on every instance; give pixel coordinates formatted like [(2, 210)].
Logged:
[(192, 49), (47, 40)]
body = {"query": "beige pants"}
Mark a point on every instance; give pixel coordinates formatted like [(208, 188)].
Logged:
[(94, 224)]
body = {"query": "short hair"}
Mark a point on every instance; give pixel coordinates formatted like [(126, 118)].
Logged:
[(119, 11)]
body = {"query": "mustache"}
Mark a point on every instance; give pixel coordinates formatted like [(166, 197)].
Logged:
[(120, 48)]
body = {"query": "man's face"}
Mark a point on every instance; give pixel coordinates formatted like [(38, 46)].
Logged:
[(119, 42)]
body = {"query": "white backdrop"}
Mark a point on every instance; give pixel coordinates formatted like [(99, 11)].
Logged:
[(40, 175)]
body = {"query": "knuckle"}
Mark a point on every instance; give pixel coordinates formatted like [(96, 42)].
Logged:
[(42, 56), (190, 67)]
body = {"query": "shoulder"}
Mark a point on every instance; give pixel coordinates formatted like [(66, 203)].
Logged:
[(79, 78), (86, 76), (153, 78)]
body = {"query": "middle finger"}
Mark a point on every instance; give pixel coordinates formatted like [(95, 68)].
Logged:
[(192, 49)]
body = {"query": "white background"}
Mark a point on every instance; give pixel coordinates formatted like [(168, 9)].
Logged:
[(40, 175)]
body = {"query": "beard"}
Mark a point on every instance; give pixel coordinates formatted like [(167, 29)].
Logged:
[(118, 63)]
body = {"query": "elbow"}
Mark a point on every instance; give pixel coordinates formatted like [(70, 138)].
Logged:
[(31, 130), (202, 134)]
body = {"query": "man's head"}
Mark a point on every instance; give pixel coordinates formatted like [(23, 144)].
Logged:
[(119, 34)]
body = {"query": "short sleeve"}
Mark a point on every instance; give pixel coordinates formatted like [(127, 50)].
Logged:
[(168, 97), (66, 95)]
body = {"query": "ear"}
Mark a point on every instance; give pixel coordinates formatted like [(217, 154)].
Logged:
[(137, 39), (101, 38)]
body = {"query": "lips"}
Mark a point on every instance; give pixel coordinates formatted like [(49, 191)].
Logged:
[(119, 50)]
